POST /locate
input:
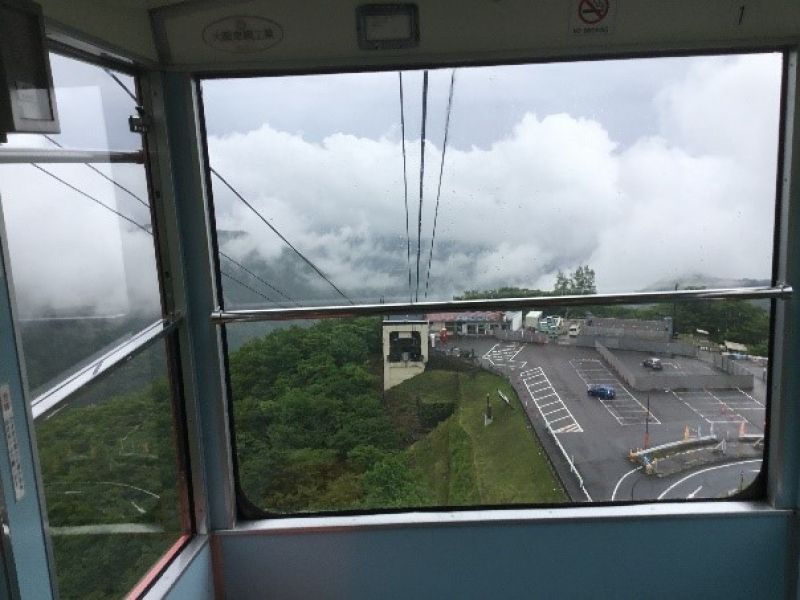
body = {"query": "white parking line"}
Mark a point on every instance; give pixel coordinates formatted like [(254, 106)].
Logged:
[(592, 371), (503, 355), (741, 391), (713, 409), (559, 419), (568, 429), (571, 425)]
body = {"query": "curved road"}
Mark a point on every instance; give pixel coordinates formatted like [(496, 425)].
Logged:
[(714, 481)]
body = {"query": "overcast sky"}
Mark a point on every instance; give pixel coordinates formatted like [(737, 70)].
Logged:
[(647, 170)]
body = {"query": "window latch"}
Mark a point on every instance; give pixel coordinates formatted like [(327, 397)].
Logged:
[(140, 122)]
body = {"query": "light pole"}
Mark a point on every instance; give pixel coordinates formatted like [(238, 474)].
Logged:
[(647, 423)]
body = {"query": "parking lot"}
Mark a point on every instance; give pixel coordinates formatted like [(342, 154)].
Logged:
[(674, 365), (595, 435), (625, 407), (725, 407)]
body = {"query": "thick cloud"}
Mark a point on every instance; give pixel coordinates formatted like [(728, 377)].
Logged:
[(554, 191), (71, 257)]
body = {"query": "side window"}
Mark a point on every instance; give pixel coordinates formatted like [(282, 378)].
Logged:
[(491, 286), (98, 354)]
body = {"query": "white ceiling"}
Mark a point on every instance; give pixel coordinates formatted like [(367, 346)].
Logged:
[(322, 33)]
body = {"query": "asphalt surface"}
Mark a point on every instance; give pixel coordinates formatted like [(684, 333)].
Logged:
[(596, 435), (671, 365)]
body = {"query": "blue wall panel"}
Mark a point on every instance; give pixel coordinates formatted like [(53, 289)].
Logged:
[(195, 580), (720, 557)]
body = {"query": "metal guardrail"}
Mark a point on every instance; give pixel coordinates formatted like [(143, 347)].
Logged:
[(573, 469), (220, 317)]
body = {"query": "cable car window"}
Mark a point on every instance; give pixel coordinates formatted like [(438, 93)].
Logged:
[(98, 354), (635, 176)]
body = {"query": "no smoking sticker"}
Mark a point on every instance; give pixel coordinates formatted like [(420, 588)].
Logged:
[(590, 17)]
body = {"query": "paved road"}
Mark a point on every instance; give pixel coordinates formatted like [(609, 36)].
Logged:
[(551, 381), (711, 481)]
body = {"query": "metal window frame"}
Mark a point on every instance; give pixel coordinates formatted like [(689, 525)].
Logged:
[(175, 155), (783, 440), (165, 330), (173, 269), (779, 292)]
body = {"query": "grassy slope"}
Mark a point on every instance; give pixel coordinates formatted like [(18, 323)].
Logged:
[(462, 462)]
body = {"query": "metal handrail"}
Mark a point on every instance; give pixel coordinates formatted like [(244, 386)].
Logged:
[(44, 156), (115, 357), (220, 317)]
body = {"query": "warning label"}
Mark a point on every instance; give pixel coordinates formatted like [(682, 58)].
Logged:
[(12, 443), (592, 16)]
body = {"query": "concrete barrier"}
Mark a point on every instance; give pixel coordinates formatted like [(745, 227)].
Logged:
[(670, 448)]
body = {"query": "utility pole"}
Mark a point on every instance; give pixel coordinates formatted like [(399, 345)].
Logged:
[(674, 310)]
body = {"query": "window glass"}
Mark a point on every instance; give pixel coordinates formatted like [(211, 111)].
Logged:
[(644, 171), (648, 402), (498, 182), (110, 470), (83, 261)]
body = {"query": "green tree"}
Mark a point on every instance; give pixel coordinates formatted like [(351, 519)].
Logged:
[(390, 483), (563, 285), (583, 281)]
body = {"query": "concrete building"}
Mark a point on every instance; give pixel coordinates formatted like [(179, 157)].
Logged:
[(466, 323), (513, 320), (532, 319)]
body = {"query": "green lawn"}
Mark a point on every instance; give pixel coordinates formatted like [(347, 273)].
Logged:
[(463, 462)]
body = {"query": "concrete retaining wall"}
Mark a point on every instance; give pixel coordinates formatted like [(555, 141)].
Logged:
[(639, 345), (620, 367), (523, 335), (725, 363)]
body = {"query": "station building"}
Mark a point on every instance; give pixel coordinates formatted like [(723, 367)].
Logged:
[(405, 348)]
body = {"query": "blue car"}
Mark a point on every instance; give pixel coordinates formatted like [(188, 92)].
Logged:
[(606, 392)]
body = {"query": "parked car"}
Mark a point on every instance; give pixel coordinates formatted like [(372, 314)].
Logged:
[(606, 392), (653, 363)]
